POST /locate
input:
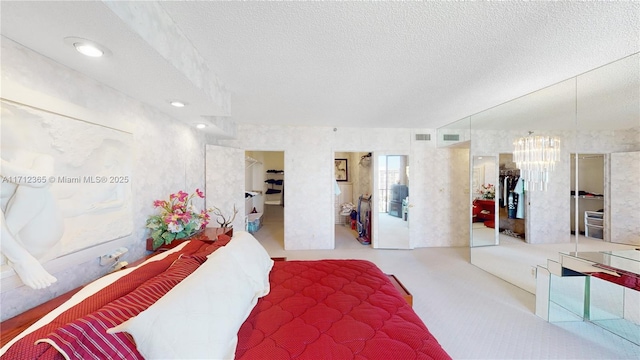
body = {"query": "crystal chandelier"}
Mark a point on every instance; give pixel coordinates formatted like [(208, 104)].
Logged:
[(536, 157)]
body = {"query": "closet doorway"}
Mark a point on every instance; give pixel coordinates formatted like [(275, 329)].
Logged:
[(589, 175), (265, 193), (353, 186), (512, 200)]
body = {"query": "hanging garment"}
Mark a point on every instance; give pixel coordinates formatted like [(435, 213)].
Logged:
[(520, 191), (512, 199), (505, 191)]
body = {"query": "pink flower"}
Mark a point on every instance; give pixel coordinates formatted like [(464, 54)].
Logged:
[(159, 203), (200, 193), (182, 196)]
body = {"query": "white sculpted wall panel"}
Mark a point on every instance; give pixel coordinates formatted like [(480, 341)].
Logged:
[(91, 175)]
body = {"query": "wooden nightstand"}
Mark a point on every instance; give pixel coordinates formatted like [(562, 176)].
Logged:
[(209, 234), (405, 293)]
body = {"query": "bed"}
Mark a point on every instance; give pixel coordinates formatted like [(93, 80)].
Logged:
[(228, 299)]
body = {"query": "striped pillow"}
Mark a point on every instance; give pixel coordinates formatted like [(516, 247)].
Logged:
[(87, 337)]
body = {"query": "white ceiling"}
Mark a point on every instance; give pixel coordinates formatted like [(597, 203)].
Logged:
[(362, 64)]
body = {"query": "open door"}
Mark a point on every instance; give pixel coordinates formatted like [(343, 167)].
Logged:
[(224, 183), (391, 202), (624, 217)]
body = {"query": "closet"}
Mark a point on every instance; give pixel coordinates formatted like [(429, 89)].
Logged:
[(589, 196), (265, 191), (511, 199), (274, 192)]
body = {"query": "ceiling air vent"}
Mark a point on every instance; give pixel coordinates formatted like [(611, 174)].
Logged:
[(423, 137), (451, 137)]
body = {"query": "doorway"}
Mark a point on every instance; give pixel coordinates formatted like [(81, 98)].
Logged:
[(512, 199), (353, 185), (265, 193), (391, 202), (587, 170)]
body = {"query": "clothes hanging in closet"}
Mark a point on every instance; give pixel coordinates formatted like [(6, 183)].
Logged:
[(512, 195), (507, 184)]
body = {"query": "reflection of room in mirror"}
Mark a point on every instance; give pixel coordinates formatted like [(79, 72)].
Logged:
[(483, 230), (595, 113), (511, 198), (589, 172)]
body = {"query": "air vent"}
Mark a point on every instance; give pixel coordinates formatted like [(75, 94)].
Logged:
[(423, 137), (451, 137)]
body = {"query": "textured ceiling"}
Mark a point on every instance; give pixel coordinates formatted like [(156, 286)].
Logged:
[(377, 64)]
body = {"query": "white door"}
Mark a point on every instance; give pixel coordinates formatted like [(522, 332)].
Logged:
[(624, 200), (224, 183), (390, 220)]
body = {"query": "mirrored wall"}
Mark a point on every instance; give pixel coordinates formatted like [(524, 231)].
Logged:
[(596, 117)]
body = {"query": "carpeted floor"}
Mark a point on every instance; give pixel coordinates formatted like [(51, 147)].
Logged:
[(473, 314)]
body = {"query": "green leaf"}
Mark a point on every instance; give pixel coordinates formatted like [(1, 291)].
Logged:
[(156, 234), (157, 242)]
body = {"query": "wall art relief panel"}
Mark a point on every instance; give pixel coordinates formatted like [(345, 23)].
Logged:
[(66, 183)]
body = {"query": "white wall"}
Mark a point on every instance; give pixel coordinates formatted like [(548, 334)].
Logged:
[(439, 190), (167, 157)]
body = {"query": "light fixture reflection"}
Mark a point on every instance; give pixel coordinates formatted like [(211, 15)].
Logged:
[(178, 104), (536, 157), (201, 126)]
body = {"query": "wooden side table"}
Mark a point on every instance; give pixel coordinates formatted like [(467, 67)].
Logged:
[(209, 234)]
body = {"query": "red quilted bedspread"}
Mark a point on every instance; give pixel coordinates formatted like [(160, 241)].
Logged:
[(326, 309), (334, 309)]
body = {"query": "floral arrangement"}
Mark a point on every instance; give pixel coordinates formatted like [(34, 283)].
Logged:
[(178, 218), (487, 191)]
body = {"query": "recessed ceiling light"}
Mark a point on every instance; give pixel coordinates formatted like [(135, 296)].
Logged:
[(87, 47), (178, 103), (201, 126)]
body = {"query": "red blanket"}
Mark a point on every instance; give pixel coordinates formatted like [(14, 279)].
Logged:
[(147, 283), (334, 309), (328, 309)]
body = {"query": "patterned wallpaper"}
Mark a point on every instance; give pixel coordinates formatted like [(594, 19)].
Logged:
[(309, 204), (167, 157)]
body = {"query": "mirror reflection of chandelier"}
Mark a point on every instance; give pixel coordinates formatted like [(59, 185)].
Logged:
[(536, 157)]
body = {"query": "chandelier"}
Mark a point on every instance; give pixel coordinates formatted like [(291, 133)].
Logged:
[(536, 157)]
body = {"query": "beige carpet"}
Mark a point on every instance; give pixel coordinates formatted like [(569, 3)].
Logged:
[(473, 314), (513, 260)]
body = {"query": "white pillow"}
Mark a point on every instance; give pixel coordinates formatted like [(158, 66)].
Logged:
[(254, 259), (200, 317)]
